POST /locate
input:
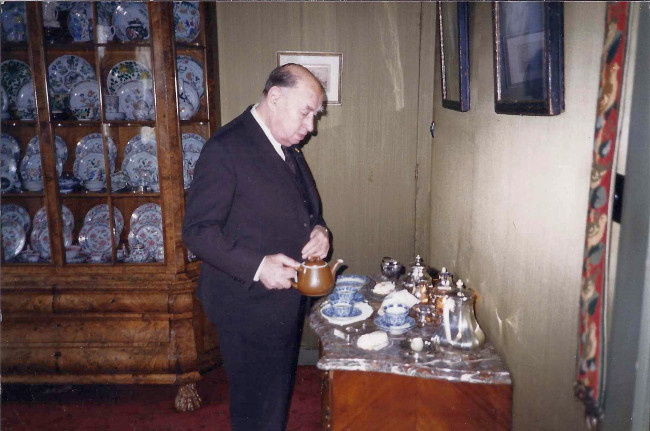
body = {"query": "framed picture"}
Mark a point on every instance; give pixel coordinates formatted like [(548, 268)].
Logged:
[(454, 55), (528, 57), (326, 66)]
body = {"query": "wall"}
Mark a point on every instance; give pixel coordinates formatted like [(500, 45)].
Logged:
[(365, 152), (509, 213)]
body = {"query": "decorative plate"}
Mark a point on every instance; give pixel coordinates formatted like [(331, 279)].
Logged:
[(192, 143), (65, 71), (61, 148), (125, 71), (136, 99), (187, 21), (10, 146), (119, 181), (13, 22), (145, 142), (141, 167), (381, 323), (99, 214), (146, 214), (189, 162), (95, 238), (93, 143), (8, 164), (105, 11), (40, 240), (151, 236), (191, 71), (188, 100), (80, 22), (90, 167), (30, 169), (84, 100), (40, 218), (13, 75), (13, 239), (15, 214), (25, 97), (5, 103), (131, 21)]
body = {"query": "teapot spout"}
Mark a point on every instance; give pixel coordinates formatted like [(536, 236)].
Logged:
[(335, 268)]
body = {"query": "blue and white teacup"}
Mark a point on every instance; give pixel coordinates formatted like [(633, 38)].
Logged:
[(395, 314), (342, 309)]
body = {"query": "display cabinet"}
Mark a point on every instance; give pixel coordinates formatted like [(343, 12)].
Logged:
[(105, 108)]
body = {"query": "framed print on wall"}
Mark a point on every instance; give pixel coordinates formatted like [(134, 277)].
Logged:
[(326, 66), (528, 57), (454, 54)]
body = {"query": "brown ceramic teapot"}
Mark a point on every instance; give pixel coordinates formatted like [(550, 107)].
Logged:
[(315, 277)]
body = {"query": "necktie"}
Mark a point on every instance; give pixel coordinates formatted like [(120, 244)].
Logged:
[(289, 158)]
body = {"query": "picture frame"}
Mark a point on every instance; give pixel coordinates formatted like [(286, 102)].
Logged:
[(453, 24), (528, 57), (326, 66)]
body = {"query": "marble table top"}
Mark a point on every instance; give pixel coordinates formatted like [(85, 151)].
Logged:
[(340, 352)]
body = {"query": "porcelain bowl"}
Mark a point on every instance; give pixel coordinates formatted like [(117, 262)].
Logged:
[(395, 314)]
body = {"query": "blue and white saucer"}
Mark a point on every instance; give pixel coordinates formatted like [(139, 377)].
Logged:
[(381, 323), (328, 311)]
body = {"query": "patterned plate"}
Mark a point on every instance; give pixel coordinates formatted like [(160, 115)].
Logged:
[(146, 214), (151, 236), (99, 214), (12, 213), (93, 143), (192, 143), (136, 99), (90, 167), (189, 162), (125, 71), (191, 71), (40, 218), (84, 100), (5, 103), (188, 100), (61, 148), (145, 142), (131, 21), (40, 240), (187, 21), (10, 146), (95, 238), (13, 75), (13, 239), (141, 167), (65, 71)]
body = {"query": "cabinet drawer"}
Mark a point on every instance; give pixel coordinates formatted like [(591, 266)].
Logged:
[(26, 301), (141, 302), (85, 331)]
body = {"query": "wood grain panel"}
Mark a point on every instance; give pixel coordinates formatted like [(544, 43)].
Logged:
[(70, 331), (111, 302), (24, 301)]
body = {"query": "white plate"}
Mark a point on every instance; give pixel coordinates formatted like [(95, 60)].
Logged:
[(95, 238), (26, 102), (84, 100), (192, 143), (90, 167), (191, 71), (12, 213), (189, 162), (67, 70), (125, 71), (141, 167), (93, 143), (187, 21), (188, 100), (151, 236), (145, 142), (40, 218), (146, 214), (99, 214), (10, 146), (13, 239), (131, 21), (136, 99)]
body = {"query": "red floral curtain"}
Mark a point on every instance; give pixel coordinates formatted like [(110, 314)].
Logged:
[(592, 342)]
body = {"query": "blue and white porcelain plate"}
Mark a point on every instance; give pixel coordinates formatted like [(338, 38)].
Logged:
[(9, 146), (16, 214), (13, 239), (144, 142), (90, 167), (189, 163), (146, 214), (192, 143), (381, 323), (141, 168), (94, 143), (187, 21), (66, 71), (84, 100), (131, 21), (13, 75), (329, 312), (61, 148), (126, 71), (40, 218), (99, 214), (190, 70)]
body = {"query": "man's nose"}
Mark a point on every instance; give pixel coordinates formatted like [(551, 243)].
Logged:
[(309, 123)]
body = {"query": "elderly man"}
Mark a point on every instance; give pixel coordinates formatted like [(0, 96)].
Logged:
[(253, 212)]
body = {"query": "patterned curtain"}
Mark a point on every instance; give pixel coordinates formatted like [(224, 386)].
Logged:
[(592, 343)]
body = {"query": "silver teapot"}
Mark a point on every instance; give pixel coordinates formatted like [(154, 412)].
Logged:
[(459, 326), (417, 277)]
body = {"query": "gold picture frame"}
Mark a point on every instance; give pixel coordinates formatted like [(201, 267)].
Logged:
[(326, 66)]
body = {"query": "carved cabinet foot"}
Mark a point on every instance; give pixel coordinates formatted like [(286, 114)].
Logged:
[(188, 398)]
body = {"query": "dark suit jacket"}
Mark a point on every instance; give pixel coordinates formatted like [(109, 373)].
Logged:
[(244, 203)]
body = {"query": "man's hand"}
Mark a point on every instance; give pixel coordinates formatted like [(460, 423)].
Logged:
[(277, 270), (318, 245)]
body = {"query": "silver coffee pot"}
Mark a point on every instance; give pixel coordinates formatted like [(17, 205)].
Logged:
[(459, 326)]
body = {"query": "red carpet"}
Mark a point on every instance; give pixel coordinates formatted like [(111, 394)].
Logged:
[(142, 407)]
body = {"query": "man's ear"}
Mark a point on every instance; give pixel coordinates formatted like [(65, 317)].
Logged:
[(273, 96)]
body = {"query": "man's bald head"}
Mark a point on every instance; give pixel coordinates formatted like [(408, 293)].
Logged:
[(289, 75)]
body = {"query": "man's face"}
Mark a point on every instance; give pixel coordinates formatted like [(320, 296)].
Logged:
[(295, 112)]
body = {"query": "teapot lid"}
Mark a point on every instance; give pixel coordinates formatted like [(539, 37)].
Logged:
[(314, 262), (463, 292)]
